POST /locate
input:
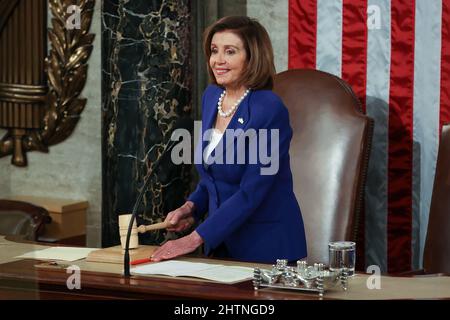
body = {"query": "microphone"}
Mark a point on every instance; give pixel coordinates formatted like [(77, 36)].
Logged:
[(181, 123)]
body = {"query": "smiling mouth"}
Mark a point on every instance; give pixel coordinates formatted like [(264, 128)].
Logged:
[(221, 72)]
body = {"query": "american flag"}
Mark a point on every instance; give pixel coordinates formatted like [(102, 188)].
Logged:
[(396, 56)]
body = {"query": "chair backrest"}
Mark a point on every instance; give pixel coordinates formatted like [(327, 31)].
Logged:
[(22, 219), (437, 244), (329, 155)]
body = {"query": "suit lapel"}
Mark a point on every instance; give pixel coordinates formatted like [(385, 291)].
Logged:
[(210, 116), (239, 120)]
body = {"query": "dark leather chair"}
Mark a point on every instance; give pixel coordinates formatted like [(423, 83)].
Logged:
[(329, 155), (22, 219), (437, 244)]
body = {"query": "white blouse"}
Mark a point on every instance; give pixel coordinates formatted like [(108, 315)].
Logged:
[(216, 135)]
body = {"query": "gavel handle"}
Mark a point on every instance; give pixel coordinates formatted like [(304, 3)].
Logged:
[(156, 226)]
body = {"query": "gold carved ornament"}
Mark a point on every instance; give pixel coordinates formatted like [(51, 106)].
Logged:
[(66, 69)]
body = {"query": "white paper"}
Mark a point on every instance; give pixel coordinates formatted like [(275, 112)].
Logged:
[(58, 253), (215, 272), (227, 274)]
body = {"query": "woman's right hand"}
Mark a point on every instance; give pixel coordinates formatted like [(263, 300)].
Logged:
[(181, 219)]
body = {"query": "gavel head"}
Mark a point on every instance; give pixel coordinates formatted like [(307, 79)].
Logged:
[(124, 221)]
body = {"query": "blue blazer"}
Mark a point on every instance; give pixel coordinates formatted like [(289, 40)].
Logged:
[(257, 217)]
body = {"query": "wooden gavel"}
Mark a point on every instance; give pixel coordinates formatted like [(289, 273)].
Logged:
[(157, 226)]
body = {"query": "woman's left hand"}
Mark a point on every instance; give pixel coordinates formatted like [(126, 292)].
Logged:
[(179, 247)]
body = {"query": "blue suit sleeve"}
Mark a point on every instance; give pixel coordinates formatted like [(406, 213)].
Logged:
[(254, 186), (200, 196), (201, 199)]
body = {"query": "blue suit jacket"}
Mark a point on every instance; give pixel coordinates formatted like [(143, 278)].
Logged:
[(256, 216)]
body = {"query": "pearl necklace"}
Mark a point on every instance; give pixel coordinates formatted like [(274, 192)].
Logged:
[(233, 108)]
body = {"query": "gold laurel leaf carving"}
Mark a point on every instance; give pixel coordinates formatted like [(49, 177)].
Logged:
[(66, 67)]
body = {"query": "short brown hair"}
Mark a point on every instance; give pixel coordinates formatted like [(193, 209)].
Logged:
[(261, 69)]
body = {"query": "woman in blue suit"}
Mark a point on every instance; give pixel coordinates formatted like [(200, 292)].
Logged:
[(253, 214)]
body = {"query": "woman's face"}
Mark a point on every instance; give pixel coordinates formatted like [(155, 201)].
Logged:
[(228, 58)]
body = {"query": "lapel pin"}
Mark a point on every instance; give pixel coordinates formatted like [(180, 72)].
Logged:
[(241, 121)]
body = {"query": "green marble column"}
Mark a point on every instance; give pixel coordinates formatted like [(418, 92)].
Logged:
[(146, 86)]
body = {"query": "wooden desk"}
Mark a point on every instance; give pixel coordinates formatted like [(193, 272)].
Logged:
[(21, 279), (27, 279)]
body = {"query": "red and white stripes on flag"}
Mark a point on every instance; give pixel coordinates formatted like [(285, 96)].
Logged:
[(396, 56)]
